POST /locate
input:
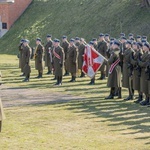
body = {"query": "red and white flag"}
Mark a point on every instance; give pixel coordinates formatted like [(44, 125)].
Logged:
[(92, 61)]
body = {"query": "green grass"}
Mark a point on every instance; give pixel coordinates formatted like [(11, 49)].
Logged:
[(79, 119), (83, 18)]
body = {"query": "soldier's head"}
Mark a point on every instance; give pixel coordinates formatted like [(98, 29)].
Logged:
[(144, 37), (139, 45), (135, 45), (72, 42), (56, 42), (116, 44), (64, 38), (123, 39), (130, 36), (91, 43), (22, 40), (38, 41), (77, 39), (122, 35), (143, 41), (25, 42), (138, 38), (49, 37), (82, 41), (101, 36), (128, 44), (146, 47), (107, 37), (94, 40)]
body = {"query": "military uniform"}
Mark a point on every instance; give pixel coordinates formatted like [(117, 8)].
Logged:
[(39, 59), (81, 50), (122, 49), (143, 80), (58, 61), (102, 48), (26, 61), (65, 46), (136, 77), (20, 55), (48, 56), (127, 78), (114, 76), (73, 61)]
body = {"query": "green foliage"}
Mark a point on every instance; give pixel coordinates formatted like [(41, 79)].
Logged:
[(83, 18)]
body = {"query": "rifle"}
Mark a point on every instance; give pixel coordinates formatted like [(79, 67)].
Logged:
[(147, 71), (138, 68)]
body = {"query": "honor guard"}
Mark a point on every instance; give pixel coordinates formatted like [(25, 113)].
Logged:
[(114, 76), (65, 45), (26, 60), (58, 61), (102, 49), (39, 57), (48, 53), (73, 60)]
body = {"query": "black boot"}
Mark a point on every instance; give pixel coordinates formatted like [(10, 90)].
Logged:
[(71, 79), (27, 78), (74, 79), (130, 97), (119, 93), (38, 75), (103, 76), (57, 83), (49, 72), (116, 91), (82, 75), (54, 78), (60, 80), (140, 98), (22, 75), (41, 75), (111, 96), (92, 82), (145, 102), (66, 73)]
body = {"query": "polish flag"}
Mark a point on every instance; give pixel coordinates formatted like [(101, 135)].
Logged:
[(92, 61)]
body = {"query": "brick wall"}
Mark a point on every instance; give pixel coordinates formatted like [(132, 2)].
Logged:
[(11, 12)]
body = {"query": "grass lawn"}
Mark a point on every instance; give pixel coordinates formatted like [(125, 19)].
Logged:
[(74, 116)]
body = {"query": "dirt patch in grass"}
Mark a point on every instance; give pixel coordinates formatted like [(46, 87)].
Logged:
[(22, 96)]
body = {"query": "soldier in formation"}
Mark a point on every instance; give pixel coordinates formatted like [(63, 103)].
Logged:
[(26, 52), (102, 48), (39, 57), (73, 59), (128, 62), (65, 45), (20, 56), (58, 61), (114, 76), (48, 53)]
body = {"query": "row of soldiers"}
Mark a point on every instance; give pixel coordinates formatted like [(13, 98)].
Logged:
[(125, 60)]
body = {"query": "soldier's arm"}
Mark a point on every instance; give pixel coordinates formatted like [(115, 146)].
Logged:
[(143, 64), (112, 58), (28, 55), (75, 55)]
